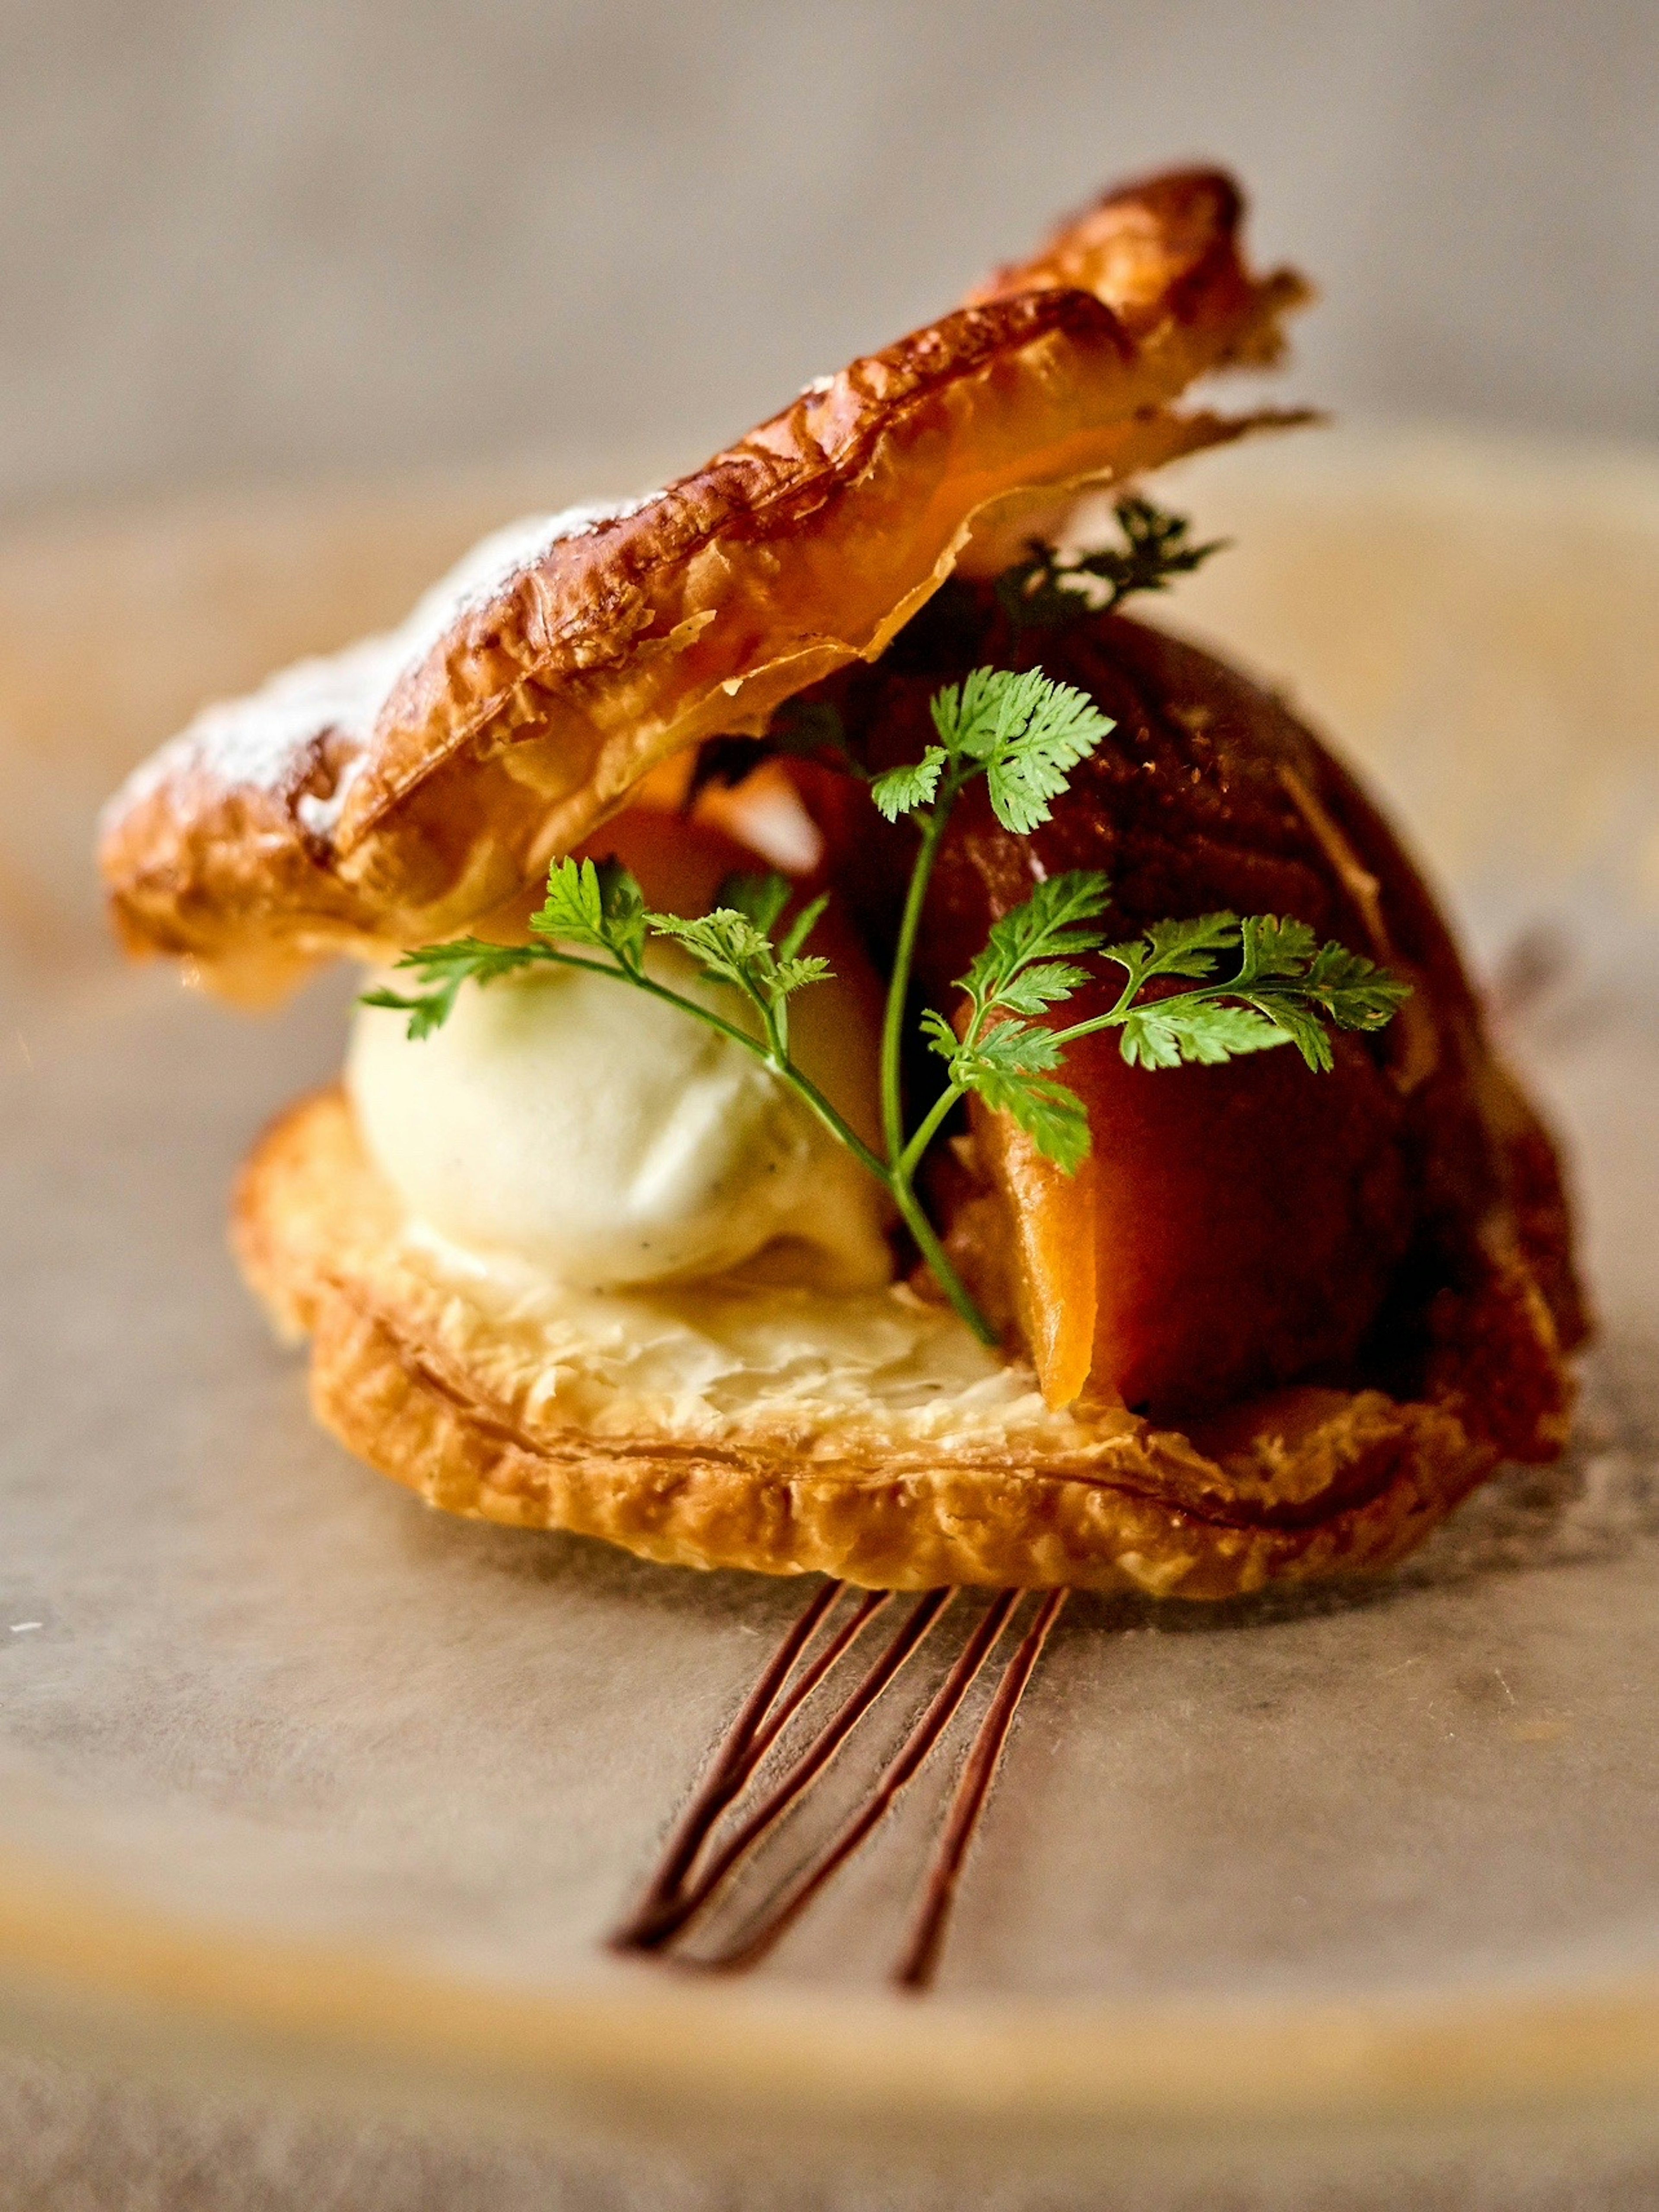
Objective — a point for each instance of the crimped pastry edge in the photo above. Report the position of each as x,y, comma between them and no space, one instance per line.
425,1393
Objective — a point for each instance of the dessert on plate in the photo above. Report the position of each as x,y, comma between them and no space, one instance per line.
876,1059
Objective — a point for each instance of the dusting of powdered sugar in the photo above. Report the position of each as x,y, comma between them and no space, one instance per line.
817,387
264,741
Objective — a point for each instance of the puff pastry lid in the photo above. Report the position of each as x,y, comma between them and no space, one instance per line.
400,790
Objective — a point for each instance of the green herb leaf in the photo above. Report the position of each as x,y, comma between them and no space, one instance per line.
446,966
1166,1032
1271,947
792,976
1047,984
1299,1024
1293,985
1354,992
967,715
761,898
1053,922
1027,732
725,944
733,944
1284,978
1030,772
1046,589
598,903
1011,1069
1190,948
1054,1118
1015,1047
902,790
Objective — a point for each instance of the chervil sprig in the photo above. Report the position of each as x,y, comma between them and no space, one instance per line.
734,945
1287,989
1284,988
1047,589
1023,734
599,904
595,902
445,968
1029,963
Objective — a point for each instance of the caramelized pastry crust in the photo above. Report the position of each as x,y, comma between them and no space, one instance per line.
401,791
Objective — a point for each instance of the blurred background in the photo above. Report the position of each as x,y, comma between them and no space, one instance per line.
297,297
245,244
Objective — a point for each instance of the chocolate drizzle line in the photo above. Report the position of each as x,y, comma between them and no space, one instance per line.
692,1870
915,1969
724,1777
925,1732
677,1911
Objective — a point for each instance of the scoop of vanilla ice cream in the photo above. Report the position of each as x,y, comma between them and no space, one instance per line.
610,1139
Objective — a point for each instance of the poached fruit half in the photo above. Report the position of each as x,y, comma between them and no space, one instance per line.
1398,1221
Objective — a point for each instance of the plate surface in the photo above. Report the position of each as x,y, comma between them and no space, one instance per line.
301,1774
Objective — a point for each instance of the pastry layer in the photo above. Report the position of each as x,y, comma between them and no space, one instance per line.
399,791
788,1432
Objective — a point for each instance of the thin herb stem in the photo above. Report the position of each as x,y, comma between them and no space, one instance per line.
898,988
832,1121
897,1182
935,1254
763,1048
1116,1015
904,1159
910,1158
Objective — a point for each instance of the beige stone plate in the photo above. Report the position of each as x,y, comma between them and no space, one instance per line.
300,1780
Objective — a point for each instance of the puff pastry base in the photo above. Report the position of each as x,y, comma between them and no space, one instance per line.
869,1439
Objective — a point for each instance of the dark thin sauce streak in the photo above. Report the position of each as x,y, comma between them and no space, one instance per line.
869,1605
916,1968
732,1765
925,1732
693,1870
652,1932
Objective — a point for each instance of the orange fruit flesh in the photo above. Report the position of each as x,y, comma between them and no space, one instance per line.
1234,1227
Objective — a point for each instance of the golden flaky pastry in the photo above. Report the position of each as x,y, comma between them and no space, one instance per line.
869,1438
414,785
397,791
